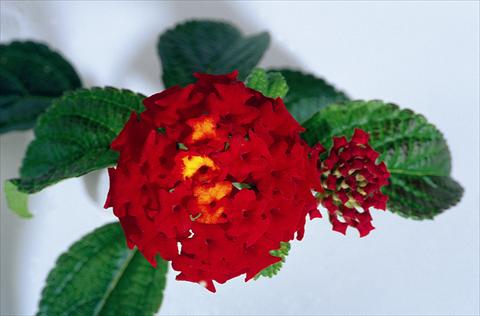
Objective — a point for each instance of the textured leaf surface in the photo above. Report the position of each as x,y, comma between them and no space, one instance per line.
415,152
276,267
99,275
210,47
73,136
422,197
270,84
31,76
308,94
17,201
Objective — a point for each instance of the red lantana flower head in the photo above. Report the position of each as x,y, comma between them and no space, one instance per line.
352,182
213,177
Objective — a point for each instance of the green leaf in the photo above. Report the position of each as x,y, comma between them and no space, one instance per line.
271,84
99,275
241,186
73,136
17,201
415,152
31,76
210,47
308,94
422,197
275,268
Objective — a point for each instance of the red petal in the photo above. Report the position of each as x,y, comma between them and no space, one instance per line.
331,182
256,146
360,137
339,142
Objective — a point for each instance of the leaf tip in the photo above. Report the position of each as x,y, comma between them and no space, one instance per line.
16,201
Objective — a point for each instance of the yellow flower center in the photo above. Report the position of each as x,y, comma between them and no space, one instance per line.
206,195
191,164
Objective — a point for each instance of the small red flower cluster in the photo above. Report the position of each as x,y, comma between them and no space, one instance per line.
213,177
352,183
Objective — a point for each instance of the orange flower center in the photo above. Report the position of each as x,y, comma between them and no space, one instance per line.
203,128
207,195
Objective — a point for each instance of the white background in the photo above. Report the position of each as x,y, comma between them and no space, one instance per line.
420,55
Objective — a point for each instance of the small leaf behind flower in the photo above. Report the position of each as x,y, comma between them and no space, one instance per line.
276,267
270,84
210,47
99,275
308,94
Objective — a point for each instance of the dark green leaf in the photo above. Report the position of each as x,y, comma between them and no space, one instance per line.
422,197
275,268
271,84
31,76
99,275
415,152
308,94
73,136
209,47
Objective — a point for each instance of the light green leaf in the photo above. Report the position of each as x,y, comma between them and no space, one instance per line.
17,201
31,76
99,275
241,186
73,137
209,47
273,270
414,151
271,84
308,94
